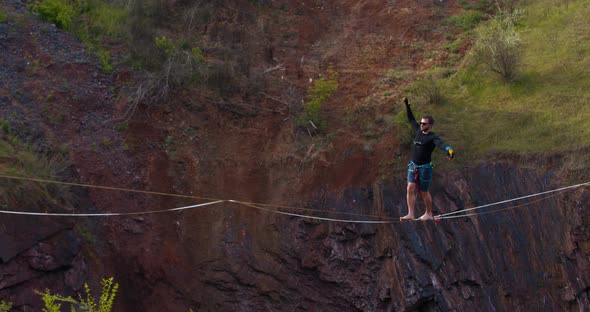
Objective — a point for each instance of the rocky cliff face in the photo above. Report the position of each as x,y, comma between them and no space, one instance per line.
528,257
234,258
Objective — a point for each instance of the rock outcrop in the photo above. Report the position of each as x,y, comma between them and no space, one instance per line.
520,257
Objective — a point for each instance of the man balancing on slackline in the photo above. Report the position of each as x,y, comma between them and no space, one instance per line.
420,168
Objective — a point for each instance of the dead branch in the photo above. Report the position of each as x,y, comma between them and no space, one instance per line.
275,99
268,70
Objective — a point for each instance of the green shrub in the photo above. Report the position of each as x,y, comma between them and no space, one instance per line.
87,303
317,95
165,45
5,125
5,306
141,27
60,12
100,20
106,20
198,54
90,20
466,21
175,68
122,127
104,57
3,18
52,302
185,44
106,141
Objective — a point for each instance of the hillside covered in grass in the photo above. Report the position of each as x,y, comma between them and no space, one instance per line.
544,109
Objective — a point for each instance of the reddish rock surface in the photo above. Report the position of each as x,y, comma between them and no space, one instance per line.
233,258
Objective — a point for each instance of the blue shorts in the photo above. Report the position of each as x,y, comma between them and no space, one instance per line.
424,173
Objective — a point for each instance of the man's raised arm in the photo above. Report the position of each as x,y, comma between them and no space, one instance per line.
411,118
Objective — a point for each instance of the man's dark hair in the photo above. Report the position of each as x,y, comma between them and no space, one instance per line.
430,119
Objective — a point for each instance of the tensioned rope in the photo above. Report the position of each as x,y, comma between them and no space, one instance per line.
313,217
106,214
313,210
258,206
111,188
445,215
214,200
436,218
496,210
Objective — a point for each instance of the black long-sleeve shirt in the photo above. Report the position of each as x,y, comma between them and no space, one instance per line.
424,143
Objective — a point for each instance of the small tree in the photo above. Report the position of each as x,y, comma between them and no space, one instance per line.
498,46
87,303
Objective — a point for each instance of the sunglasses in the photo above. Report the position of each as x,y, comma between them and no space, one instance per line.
424,123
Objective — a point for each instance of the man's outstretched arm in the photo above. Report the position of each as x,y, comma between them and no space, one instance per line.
447,148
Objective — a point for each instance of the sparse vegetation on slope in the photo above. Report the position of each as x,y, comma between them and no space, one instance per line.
18,159
317,95
3,15
93,21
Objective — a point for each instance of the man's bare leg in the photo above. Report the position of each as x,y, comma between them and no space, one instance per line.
411,199
428,203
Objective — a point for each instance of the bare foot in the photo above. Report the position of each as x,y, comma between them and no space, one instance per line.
409,217
426,217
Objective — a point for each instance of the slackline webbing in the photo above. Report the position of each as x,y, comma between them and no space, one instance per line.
260,206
